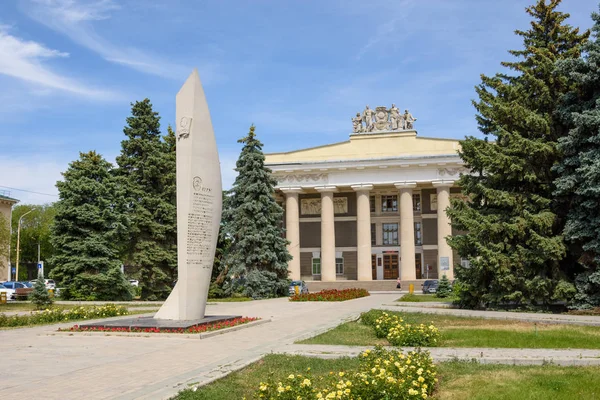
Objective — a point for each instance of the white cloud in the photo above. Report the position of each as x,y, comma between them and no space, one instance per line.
23,59
75,18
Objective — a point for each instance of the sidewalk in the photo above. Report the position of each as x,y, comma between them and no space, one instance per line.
43,366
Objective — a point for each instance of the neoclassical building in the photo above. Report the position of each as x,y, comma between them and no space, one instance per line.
372,207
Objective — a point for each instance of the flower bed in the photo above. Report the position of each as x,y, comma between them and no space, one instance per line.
331,295
400,333
194,329
382,374
60,315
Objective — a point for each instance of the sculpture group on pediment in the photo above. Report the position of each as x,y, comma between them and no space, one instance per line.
382,119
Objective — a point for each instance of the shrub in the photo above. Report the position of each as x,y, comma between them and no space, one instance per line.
331,295
40,296
398,332
370,317
444,288
55,315
382,374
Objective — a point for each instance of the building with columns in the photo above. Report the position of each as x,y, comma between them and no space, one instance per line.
370,208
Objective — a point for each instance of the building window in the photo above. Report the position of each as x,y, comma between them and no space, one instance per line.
417,202
339,266
372,203
316,266
418,235
389,203
373,235
390,234
464,262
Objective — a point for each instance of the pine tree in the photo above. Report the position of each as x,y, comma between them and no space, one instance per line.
258,251
88,226
579,172
444,288
147,172
514,241
40,296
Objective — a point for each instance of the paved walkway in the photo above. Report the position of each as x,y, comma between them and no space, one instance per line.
39,364
481,355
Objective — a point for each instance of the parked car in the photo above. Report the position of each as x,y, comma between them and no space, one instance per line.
302,288
430,286
19,289
50,284
9,292
134,282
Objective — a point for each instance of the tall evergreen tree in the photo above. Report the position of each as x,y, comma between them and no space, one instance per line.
514,241
579,172
258,251
88,224
147,172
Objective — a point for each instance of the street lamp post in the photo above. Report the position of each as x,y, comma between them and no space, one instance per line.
19,242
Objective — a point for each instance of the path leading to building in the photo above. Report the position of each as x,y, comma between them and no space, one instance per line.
39,364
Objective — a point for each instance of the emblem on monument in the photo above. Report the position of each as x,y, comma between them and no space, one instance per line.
197,183
183,131
382,120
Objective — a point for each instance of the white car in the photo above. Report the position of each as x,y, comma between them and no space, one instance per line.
134,282
9,292
50,284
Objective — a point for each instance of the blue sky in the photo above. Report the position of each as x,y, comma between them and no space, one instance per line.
298,70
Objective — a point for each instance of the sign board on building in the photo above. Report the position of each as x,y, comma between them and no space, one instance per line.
444,263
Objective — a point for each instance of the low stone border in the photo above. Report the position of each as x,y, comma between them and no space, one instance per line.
203,335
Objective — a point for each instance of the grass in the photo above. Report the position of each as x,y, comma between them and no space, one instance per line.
473,332
230,300
457,380
27,306
422,298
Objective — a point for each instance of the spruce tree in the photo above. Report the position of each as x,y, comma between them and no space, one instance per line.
40,296
514,225
88,225
146,169
444,288
579,172
258,250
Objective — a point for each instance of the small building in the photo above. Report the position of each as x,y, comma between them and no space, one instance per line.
6,204
372,207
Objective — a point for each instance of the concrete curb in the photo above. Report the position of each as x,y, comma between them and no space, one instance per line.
204,335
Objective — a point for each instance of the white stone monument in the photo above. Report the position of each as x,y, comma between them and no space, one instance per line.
199,202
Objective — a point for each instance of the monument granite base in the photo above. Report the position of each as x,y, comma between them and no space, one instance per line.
150,322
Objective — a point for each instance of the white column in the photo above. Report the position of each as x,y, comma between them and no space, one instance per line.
327,234
363,232
407,231
444,229
292,230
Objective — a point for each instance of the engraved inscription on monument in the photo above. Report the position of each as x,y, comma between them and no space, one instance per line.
200,221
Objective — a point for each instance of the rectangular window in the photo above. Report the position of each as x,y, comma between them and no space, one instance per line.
464,262
390,234
418,235
389,203
339,266
316,266
372,203
373,235
417,202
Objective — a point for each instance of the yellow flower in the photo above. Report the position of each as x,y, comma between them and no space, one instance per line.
263,387
291,376
280,389
341,374
412,392
421,379
306,382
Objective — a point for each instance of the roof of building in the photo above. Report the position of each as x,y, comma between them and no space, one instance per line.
405,144
8,199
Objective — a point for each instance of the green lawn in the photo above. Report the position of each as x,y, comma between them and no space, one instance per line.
473,332
229,300
457,380
27,306
423,298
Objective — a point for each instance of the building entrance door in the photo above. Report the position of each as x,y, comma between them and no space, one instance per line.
418,266
374,266
390,265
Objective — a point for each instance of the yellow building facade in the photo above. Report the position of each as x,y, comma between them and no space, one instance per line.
370,208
